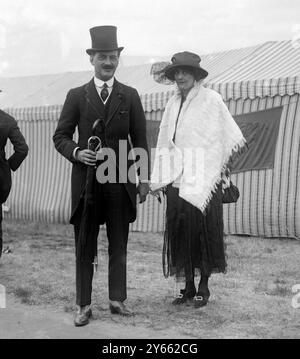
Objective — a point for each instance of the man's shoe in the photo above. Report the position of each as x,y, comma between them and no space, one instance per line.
201,299
7,250
117,307
82,316
183,297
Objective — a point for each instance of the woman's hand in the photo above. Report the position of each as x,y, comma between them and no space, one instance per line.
156,193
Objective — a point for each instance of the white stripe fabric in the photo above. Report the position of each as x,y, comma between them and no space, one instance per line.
270,199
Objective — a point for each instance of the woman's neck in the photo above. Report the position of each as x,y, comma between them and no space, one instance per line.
184,93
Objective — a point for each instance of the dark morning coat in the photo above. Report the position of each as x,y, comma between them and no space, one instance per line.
10,130
81,109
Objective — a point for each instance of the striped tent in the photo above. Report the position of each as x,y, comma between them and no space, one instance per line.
252,79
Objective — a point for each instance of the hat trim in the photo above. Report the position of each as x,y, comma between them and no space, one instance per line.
169,68
92,50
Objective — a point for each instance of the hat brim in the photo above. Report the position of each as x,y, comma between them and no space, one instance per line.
170,69
93,50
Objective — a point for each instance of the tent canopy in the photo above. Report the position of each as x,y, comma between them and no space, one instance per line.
261,87
272,67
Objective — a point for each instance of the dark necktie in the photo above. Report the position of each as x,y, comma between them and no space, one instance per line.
104,92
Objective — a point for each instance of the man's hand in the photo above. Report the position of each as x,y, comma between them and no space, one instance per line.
143,190
87,157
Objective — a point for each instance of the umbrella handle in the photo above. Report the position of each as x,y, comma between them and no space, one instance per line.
94,143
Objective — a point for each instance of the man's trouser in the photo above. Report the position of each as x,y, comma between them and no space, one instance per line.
116,205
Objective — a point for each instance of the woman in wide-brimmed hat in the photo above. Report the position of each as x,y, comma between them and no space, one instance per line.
196,140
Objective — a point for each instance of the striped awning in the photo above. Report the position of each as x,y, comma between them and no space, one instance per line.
233,91
269,68
249,80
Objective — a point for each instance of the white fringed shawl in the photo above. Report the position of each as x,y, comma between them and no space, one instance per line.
206,132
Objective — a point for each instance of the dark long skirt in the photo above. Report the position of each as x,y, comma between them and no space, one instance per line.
193,242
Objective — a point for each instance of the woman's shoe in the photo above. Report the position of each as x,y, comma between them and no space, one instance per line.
183,297
201,299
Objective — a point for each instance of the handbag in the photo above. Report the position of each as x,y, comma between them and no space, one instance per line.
230,194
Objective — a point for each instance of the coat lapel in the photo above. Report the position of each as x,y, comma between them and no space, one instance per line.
117,96
93,99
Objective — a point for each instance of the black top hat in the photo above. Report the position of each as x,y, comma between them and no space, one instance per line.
185,59
104,38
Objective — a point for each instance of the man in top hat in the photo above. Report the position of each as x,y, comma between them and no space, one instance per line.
112,111
9,130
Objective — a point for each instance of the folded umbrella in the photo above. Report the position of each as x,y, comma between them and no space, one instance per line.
89,223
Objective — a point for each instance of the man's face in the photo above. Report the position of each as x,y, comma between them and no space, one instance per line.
105,64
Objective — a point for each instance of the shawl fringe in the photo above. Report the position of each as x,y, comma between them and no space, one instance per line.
238,149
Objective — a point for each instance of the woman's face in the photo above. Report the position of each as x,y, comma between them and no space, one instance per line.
184,78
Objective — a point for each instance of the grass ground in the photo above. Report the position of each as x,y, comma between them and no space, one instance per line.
253,300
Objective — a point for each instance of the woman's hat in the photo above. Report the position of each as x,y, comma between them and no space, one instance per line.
104,38
185,59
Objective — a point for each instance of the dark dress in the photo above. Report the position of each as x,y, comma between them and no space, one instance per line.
193,242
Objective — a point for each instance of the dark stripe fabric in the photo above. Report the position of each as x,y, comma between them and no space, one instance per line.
41,187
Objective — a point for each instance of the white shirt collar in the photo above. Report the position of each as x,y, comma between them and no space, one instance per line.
100,83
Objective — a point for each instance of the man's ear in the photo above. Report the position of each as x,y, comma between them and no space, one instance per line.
92,58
